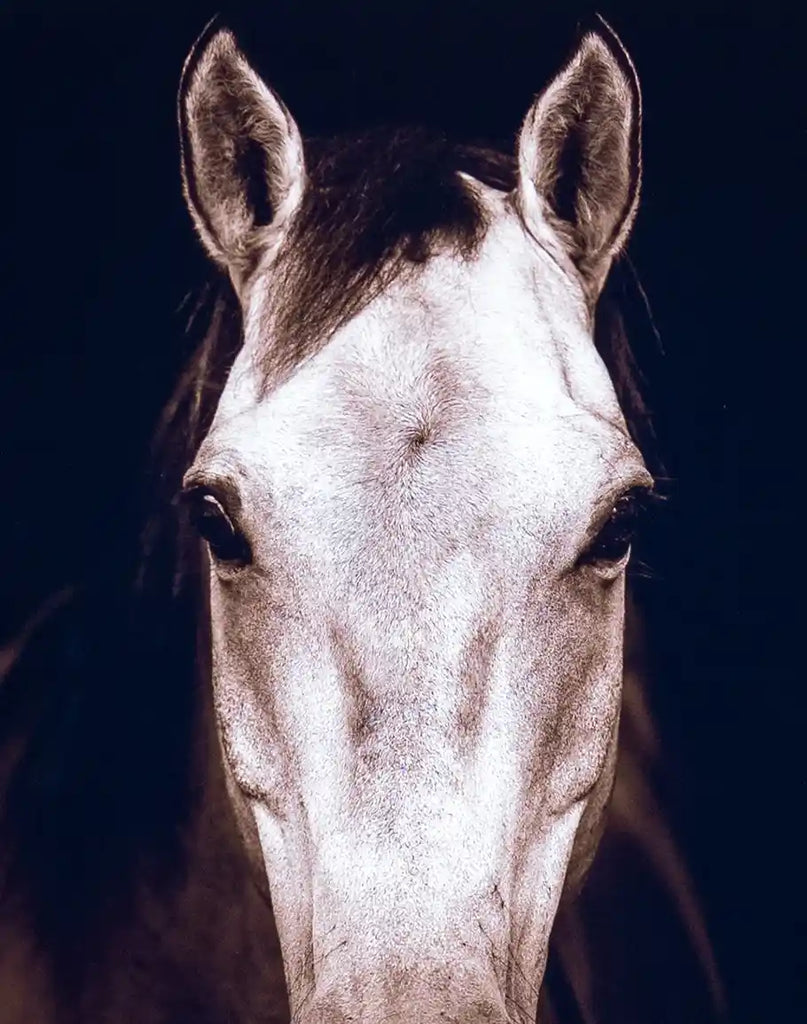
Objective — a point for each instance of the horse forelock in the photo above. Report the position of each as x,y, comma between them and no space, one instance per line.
375,206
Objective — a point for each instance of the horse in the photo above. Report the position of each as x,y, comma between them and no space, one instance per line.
418,495
416,453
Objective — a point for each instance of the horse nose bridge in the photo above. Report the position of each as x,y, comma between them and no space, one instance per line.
446,646
418,705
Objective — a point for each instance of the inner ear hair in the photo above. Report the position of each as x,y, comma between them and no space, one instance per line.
242,158
579,150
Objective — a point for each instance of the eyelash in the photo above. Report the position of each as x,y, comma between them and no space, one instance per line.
614,540
226,542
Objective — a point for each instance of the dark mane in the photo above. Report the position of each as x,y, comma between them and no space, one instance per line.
374,204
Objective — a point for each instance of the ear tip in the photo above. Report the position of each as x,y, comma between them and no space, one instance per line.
599,40
222,41
595,43
214,41
602,32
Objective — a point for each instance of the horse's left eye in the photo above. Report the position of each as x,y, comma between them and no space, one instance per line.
210,519
612,544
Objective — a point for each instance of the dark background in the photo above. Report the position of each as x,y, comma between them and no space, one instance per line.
101,256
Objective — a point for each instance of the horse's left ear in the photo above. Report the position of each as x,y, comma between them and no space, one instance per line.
242,156
579,155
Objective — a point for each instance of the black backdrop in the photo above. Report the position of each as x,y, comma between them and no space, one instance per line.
101,255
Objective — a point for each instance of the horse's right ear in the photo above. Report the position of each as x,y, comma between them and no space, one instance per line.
243,171
579,154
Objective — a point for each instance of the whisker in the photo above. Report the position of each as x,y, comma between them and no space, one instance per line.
646,301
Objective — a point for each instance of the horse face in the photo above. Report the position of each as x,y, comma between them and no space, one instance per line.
417,548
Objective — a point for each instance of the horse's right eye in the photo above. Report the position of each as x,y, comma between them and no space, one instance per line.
210,519
611,547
